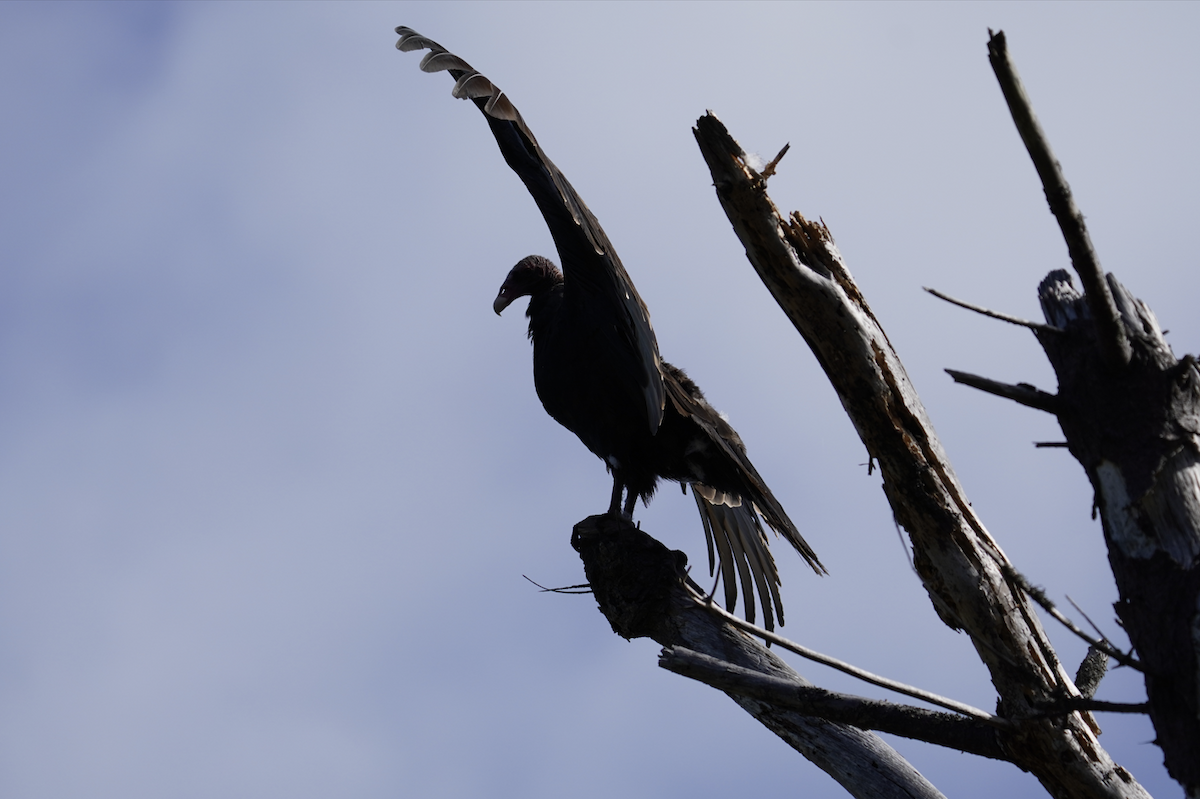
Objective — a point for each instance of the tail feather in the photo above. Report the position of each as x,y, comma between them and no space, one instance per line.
715,530
777,519
741,544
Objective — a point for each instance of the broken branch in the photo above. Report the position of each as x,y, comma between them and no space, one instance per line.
1013,320
1022,393
1113,341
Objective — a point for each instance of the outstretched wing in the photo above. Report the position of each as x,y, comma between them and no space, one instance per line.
593,274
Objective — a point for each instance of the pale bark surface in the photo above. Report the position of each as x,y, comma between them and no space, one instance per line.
962,568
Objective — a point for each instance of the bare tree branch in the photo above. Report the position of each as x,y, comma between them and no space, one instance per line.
1091,671
1003,317
944,729
769,169
1073,703
641,588
1131,414
1022,393
1111,334
846,668
1101,644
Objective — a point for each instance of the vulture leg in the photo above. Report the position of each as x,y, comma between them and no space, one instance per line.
614,507
630,502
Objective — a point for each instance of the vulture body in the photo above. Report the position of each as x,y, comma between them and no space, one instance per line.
597,369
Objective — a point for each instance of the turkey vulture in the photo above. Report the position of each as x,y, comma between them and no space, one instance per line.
598,373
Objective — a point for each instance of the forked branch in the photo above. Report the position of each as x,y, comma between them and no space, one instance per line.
1110,331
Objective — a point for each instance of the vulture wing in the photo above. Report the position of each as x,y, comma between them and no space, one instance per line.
730,512
594,277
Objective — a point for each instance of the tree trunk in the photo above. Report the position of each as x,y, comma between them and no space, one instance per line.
1131,415
1136,432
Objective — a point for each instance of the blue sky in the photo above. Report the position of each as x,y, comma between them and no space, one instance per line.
271,470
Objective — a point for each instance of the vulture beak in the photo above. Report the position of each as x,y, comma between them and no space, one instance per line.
501,302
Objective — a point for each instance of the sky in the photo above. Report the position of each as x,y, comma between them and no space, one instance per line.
272,473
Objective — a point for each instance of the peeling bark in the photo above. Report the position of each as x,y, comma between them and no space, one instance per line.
1136,432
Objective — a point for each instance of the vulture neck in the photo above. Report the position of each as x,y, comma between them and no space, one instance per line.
544,304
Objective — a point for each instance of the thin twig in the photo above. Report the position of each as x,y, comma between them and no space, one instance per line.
769,169
1003,317
1071,704
1022,393
1050,444
1109,328
846,668
1087,618
566,589
1039,596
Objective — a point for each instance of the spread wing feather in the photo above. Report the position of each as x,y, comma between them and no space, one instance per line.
740,540
749,491
593,274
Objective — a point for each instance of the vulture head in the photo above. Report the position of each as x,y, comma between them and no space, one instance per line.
533,275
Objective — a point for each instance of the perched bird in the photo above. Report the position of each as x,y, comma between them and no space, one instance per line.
597,369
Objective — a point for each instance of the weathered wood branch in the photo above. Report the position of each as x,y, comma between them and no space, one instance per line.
1096,705
1114,343
944,729
959,563
1095,645
1136,432
1022,393
1091,671
979,309
771,637
640,587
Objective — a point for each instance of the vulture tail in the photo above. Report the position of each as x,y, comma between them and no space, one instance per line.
741,544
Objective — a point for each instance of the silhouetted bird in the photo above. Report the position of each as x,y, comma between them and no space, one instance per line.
597,369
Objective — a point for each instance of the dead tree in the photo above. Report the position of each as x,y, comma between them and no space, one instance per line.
1131,415
1130,412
